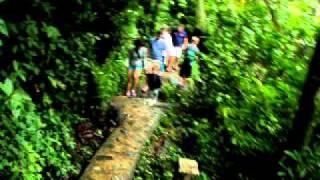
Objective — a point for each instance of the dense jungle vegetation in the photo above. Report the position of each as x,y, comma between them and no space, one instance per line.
253,114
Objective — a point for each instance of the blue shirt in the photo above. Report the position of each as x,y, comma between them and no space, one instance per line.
179,37
157,47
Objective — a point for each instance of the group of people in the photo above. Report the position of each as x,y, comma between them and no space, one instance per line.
164,55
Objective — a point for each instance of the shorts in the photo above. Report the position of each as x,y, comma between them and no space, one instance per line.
135,67
178,51
186,69
172,51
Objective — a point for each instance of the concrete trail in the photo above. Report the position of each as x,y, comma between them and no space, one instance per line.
117,157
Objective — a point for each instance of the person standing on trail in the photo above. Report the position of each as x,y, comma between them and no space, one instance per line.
137,59
190,58
158,46
180,42
155,65
169,54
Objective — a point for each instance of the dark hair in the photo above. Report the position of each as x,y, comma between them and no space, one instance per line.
138,43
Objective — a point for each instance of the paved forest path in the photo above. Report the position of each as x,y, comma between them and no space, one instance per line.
117,157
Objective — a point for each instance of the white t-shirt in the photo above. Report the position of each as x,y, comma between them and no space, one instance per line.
169,44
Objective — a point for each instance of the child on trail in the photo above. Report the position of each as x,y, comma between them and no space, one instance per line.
180,42
170,51
137,58
189,60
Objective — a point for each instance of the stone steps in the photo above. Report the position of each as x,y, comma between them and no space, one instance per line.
117,157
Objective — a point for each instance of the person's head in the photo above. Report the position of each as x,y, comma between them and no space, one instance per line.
180,28
195,40
165,29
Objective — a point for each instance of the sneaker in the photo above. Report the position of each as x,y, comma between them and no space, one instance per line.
133,93
128,94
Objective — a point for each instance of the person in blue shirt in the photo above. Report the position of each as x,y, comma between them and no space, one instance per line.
158,47
155,66
180,42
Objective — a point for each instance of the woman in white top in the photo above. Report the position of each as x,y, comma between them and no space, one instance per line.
169,54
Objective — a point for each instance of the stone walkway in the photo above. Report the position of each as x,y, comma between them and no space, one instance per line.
117,158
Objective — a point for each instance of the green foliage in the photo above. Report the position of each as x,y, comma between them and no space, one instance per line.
161,166
111,78
3,28
201,15
255,84
52,79
30,136
239,114
307,166
163,14
159,161
182,136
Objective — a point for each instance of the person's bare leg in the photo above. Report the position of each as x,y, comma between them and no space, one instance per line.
145,87
167,62
173,59
177,57
170,63
129,86
136,78
176,63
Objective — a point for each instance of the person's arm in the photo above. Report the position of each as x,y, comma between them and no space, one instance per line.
145,57
197,54
185,41
148,53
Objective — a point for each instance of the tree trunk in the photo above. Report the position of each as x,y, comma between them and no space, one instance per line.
304,114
